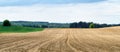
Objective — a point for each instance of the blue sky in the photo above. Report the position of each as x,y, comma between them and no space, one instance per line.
32,2
63,11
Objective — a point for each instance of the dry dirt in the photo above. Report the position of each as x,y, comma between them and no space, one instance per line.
62,40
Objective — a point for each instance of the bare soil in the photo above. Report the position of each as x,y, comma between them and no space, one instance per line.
63,40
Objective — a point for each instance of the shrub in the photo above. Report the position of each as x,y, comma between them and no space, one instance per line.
91,25
6,23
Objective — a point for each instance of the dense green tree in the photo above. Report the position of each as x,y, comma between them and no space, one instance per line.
91,25
6,23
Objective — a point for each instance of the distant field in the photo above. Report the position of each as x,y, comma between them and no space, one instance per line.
63,40
18,29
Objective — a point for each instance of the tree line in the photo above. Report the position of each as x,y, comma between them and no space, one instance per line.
71,25
90,25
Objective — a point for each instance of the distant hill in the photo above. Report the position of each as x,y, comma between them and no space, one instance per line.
28,23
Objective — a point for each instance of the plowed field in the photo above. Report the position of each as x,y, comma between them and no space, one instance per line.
62,40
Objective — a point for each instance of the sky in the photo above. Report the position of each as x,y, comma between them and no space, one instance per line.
61,11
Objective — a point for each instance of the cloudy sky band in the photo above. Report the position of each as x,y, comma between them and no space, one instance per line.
64,11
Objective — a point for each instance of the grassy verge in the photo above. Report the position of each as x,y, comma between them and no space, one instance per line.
18,29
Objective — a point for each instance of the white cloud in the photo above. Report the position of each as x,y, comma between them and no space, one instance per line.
102,12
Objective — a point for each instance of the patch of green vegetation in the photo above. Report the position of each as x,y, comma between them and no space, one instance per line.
18,29
91,25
